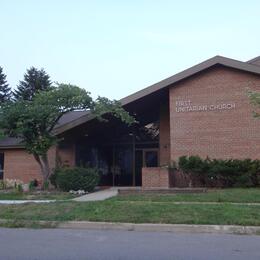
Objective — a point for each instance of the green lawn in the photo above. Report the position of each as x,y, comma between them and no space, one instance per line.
140,209
14,195
222,195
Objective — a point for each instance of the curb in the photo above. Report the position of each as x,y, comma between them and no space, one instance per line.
221,229
146,227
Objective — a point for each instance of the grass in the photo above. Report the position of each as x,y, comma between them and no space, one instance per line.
142,209
251,195
116,210
14,195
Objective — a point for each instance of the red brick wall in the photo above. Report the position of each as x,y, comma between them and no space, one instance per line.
232,133
155,177
164,135
18,164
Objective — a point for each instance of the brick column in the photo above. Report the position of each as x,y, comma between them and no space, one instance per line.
155,177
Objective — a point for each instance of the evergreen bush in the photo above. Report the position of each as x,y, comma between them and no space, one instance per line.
219,172
77,178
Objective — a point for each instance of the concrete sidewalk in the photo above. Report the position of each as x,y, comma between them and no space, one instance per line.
95,196
197,203
10,202
98,195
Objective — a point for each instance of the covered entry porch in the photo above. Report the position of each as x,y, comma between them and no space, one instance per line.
119,162
119,151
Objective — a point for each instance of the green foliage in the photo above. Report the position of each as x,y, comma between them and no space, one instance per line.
104,105
19,188
46,185
77,178
35,80
5,90
196,165
33,121
254,97
226,173
32,117
2,185
112,210
53,178
33,184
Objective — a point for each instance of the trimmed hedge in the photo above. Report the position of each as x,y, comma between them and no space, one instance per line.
221,173
77,178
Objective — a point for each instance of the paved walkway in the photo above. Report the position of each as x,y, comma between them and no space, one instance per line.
95,196
98,195
195,202
24,201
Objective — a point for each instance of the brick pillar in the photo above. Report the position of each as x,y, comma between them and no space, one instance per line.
155,177
164,135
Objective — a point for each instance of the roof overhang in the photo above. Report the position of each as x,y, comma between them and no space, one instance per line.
235,64
217,60
155,88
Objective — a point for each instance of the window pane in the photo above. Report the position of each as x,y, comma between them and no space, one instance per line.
151,159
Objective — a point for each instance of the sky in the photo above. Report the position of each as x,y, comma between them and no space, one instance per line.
115,48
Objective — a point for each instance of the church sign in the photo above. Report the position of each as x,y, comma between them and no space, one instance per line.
188,106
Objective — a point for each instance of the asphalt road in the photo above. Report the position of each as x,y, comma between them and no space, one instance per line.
89,244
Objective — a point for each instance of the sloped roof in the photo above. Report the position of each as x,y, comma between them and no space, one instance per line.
217,60
11,142
235,64
255,61
76,118
70,117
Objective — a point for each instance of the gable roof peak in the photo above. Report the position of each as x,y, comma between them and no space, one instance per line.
255,61
250,66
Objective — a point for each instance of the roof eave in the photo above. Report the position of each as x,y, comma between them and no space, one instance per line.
227,62
190,72
73,124
12,147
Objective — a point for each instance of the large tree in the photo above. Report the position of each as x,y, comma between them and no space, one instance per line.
34,80
5,90
34,120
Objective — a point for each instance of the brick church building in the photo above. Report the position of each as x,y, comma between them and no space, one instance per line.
203,111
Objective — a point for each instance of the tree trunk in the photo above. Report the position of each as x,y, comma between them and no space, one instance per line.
43,162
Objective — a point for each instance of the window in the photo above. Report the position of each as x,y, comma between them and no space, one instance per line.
150,158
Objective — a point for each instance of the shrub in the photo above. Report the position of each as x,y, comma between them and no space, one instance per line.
2,185
195,166
77,178
33,184
226,173
12,183
46,185
53,177
20,188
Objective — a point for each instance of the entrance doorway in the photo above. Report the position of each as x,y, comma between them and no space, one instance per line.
119,165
